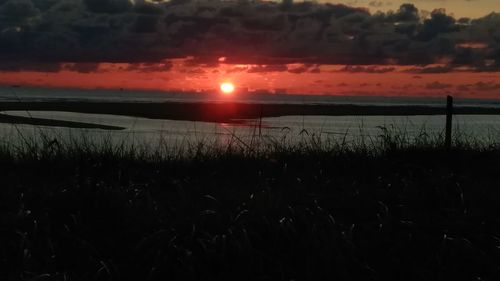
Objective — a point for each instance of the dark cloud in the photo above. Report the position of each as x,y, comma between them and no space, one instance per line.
439,23
303,68
267,68
82,67
150,67
430,69
254,32
406,13
366,69
15,11
108,6
26,66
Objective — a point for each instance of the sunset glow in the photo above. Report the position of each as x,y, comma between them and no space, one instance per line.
414,48
227,88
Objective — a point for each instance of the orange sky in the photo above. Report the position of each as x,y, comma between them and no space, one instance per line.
291,78
459,8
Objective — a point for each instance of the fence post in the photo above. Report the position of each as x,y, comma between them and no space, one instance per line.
260,119
449,118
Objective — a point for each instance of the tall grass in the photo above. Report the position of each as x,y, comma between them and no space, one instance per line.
42,144
392,207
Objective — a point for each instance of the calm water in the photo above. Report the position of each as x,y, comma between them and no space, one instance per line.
282,129
287,129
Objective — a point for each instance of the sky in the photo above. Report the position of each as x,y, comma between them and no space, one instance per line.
458,8
363,47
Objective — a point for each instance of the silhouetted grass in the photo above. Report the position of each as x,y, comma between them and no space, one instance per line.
393,207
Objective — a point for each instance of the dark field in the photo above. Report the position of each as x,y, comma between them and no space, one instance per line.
404,213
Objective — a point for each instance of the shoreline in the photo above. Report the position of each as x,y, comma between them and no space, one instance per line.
17,120
230,112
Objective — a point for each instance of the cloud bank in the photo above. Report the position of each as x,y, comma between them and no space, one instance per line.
48,32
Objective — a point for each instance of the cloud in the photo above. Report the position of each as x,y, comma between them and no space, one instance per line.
267,68
253,32
81,67
26,66
150,67
304,68
437,86
366,69
108,6
482,86
430,69
17,10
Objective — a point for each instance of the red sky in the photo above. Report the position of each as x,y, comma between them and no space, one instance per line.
291,78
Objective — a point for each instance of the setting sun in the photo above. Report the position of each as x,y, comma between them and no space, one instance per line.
227,88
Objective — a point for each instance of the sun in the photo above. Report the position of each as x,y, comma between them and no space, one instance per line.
227,88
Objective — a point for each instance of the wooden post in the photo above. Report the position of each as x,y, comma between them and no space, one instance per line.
449,118
260,120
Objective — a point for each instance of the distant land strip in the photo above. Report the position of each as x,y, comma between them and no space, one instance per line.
4,118
230,112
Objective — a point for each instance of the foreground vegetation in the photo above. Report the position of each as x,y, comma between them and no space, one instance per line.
390,210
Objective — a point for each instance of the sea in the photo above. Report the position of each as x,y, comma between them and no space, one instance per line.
284,130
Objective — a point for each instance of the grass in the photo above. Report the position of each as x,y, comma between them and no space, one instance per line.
393,207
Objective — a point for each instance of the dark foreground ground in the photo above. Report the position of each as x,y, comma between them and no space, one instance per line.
413,214
228,112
